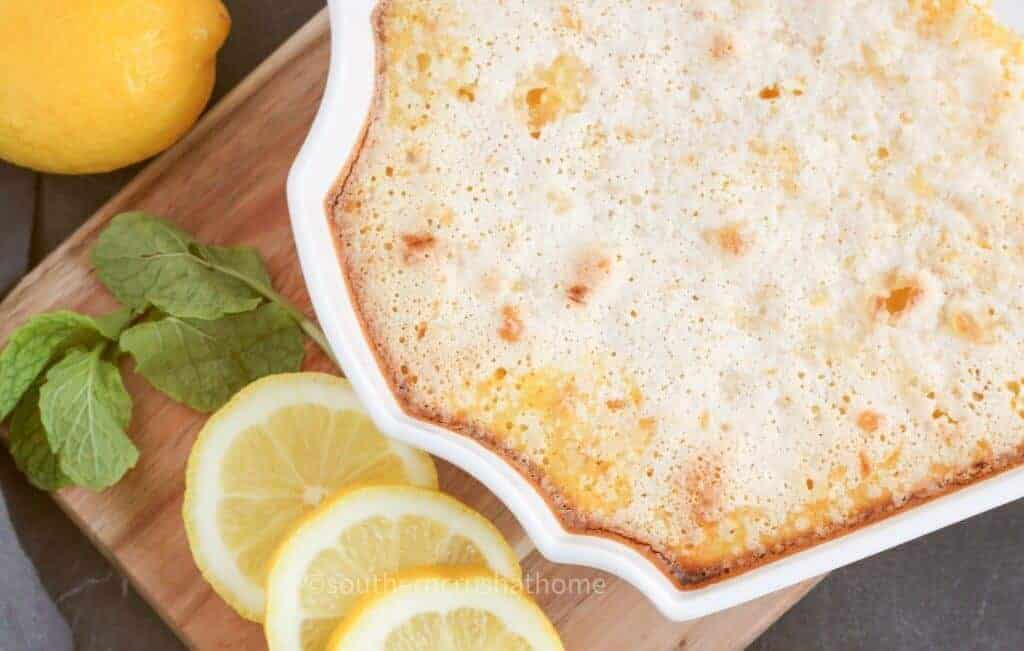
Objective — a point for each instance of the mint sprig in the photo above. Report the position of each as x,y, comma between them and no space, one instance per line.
204,363
35,345
200,321
144,261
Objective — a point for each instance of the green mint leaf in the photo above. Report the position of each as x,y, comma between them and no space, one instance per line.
240,261
30,448
35,345
246,263
144,260
85,411
112,325
204,363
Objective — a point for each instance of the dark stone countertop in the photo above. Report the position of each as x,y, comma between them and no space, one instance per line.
960,589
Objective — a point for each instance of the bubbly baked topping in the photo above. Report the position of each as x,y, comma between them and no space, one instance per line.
726,277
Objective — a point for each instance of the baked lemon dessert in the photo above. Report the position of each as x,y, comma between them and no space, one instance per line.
725,278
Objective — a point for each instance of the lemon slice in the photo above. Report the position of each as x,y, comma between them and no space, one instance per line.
353,544
269,457
438,608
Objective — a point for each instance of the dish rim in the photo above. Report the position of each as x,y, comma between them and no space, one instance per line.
333,139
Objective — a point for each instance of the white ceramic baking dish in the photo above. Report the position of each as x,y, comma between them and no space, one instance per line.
334,136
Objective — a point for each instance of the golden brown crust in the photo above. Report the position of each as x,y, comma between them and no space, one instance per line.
686,575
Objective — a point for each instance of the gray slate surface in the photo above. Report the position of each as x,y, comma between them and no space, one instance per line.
959,589
17,199
29,619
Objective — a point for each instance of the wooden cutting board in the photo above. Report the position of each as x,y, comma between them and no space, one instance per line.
226,183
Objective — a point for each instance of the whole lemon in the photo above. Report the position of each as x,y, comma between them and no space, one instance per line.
94,85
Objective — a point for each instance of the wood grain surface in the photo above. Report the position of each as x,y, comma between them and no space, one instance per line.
226,183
